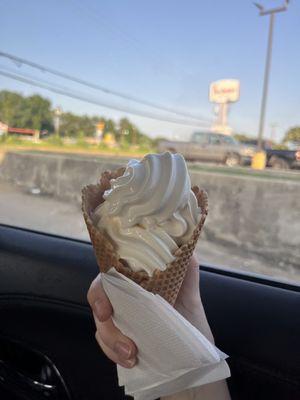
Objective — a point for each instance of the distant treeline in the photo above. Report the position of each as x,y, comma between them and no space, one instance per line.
37,112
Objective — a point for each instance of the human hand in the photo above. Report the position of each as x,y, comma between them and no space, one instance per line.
121,349
189,303
118,347
188,299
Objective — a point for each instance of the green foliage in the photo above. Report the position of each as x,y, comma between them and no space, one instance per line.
129,133
144,140
71,125
292,135
14,140
103,146
80,140
11,107
54,140
33,112
242,136
110,127
279,147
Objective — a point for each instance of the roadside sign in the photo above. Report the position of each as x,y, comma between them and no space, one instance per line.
224,91
100,126
99,130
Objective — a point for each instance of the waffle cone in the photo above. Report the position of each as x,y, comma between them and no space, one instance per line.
165,283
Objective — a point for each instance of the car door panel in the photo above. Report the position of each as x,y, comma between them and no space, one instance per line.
261,337
198,147
43,285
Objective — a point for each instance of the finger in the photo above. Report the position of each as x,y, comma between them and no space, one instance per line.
114,339
189,292
191,280
194,261
112,355
99,301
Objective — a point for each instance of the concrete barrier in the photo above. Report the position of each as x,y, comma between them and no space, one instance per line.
59,175
255,215
258,215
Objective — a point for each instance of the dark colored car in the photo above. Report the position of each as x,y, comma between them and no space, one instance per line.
277,158
211,147
283,159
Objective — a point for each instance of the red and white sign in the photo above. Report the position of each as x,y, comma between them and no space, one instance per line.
224,91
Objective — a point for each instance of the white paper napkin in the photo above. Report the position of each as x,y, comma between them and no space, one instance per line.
172,354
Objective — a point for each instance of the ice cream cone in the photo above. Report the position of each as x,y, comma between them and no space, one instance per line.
165,283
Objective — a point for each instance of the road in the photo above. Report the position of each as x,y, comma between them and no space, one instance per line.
19,207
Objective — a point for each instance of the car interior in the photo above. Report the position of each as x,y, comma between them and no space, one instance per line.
116,119
47,334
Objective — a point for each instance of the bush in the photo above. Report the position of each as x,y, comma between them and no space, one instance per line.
11,139
103,146
54,140
81,140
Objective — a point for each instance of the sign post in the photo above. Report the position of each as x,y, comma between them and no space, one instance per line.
222,93
99,131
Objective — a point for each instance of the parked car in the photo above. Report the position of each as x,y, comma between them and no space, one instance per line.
283,159
277,158
211,147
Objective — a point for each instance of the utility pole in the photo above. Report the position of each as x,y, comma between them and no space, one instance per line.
273,131
271,12
57,114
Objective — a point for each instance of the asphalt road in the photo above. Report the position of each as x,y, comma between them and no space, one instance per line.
43,213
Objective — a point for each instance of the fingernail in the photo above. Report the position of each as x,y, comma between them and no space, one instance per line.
122,349
129,363
98,309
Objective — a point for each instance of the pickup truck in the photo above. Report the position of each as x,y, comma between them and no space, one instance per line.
211,147
279,159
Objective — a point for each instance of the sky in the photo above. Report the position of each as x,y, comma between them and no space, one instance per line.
166,52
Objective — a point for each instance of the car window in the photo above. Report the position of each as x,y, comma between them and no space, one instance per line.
201,138
88,85
228,140
215,139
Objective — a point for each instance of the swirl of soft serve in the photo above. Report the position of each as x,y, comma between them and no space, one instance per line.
149,211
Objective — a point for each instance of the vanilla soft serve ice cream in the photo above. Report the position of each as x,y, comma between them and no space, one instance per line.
149,211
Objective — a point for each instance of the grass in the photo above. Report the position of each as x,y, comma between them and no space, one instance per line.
80,146
248,172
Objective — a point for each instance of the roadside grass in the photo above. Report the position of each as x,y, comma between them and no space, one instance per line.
79,146
268,173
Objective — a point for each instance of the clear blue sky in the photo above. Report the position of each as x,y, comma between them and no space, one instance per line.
165,51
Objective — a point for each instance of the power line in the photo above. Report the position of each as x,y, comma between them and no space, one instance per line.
19,61
78,96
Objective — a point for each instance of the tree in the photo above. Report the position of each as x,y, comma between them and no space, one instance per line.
292,135
110,127
37,113
32,112
11,108
125,130
72,125
242,137
130,133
